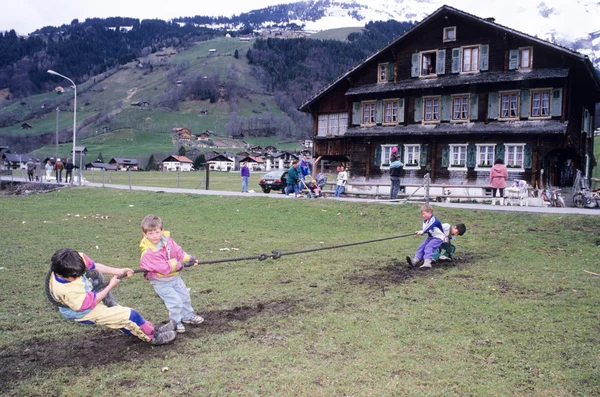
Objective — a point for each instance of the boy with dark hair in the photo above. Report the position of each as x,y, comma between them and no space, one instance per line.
435,235
447,247
70,286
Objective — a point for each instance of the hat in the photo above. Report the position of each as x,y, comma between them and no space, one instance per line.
394,149
58,159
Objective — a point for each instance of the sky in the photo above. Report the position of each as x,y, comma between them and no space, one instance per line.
25,16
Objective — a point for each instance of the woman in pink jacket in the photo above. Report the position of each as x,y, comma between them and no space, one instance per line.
498,177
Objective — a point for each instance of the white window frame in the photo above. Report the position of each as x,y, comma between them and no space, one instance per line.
386,152
470,49
327,127
452,164
460,118
490,161
394,116
518,97
433,107
372,111
530,64
412,151
508,147
433,68
382,73
445,34
531,99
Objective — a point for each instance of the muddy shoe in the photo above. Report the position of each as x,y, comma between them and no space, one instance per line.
444,258
409,260
170,326
180,329
194,320
163,338
426,264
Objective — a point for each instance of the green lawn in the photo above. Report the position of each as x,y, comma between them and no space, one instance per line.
340,34
514,315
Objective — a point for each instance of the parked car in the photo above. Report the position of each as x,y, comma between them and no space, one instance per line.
273,180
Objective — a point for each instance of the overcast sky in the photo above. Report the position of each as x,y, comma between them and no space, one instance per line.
25,16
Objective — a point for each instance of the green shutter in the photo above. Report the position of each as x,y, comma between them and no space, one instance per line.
356,113
445,156
446,107
500,151
423,159
474,107
379,112
513,59
418,109
493,105
440,62
401,153
414,65
528,156
456,60
471,155
556,102
378,156
484,51
524,104
390,71
401,110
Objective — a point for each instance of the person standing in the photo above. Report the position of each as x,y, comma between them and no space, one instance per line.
49,167
245,173
58,168
304,167
292,179
498,178
342,179
69,171
395,171
30,169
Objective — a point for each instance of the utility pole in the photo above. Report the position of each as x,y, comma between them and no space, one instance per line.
56,152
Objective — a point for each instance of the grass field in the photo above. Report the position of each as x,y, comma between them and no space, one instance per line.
513,315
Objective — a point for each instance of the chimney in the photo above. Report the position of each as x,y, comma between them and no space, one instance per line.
490,19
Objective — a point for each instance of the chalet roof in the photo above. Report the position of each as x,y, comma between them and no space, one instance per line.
220,157
124,161
101,165
16,158
252,159
181,159
460,79
509,127
445,8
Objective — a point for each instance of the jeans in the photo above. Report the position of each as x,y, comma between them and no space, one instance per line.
69,173
245,183
294,187
176,297
395,187
58,176
339,189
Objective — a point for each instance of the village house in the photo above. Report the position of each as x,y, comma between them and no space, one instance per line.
100,166
26,126
255,163
183,133
124,164
280,160
15,161
177,163
221,162
453,94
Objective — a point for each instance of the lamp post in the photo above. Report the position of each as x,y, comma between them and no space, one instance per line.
74,113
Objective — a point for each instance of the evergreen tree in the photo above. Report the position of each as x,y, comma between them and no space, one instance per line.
151,164
182,151
199,161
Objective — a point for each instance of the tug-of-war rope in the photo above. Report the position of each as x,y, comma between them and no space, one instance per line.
261,257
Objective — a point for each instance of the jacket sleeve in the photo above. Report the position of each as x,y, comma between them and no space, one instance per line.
154,262
179,254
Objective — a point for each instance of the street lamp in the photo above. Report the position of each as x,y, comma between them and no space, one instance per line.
74,114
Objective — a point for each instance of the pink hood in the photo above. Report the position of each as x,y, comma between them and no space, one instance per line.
498,176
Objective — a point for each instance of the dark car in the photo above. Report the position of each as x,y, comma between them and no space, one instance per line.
273,180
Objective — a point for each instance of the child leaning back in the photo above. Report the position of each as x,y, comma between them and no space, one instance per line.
435,236
163,259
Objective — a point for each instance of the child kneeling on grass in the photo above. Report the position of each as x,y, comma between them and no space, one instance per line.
163,259
435,235
72,288
447,247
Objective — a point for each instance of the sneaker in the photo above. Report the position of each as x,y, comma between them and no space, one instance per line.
444,258
194,320
163,338
170,326
180,329
426,264
409,260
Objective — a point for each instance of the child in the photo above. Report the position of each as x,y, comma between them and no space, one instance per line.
342,179
435,236
450,233
70,286
163,259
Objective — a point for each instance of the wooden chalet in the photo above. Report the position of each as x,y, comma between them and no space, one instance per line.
26,126
100,166
222,162
454,93
124,164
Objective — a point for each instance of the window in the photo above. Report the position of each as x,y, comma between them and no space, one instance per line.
485,156
509,105
428,63
390,112
450,33
470,59
540,103
514,156
412,155
382,70
460,108
386,152
332,124
458,156
525,58
432,109
369,113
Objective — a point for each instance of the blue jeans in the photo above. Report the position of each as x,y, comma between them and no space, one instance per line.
245,183
339,190
176,297
294,187
395,188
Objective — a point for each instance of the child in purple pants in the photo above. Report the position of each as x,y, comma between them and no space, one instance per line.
435,236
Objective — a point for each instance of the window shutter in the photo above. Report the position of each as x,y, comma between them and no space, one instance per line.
401,153
500,151
401,110
423,159
471,155
445,156
456,60
418,109
390,71
378,156
440,65
524,110
556,102
513,59
414,65
474,104
484,51
356,113
528,156
493,105
379,112
446,104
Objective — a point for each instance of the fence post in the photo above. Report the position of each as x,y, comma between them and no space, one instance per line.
130,179
427,188
103,174
207,176
177,179
92,174
110,177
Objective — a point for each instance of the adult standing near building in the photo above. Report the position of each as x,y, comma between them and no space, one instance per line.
69,171
30,169
342,179
395,171
49,167
498,178
292,179
39,172
245,173
58,168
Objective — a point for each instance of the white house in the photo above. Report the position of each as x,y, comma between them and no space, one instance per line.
221,163
177,163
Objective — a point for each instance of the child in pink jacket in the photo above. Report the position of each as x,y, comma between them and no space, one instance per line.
163,259
498,178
